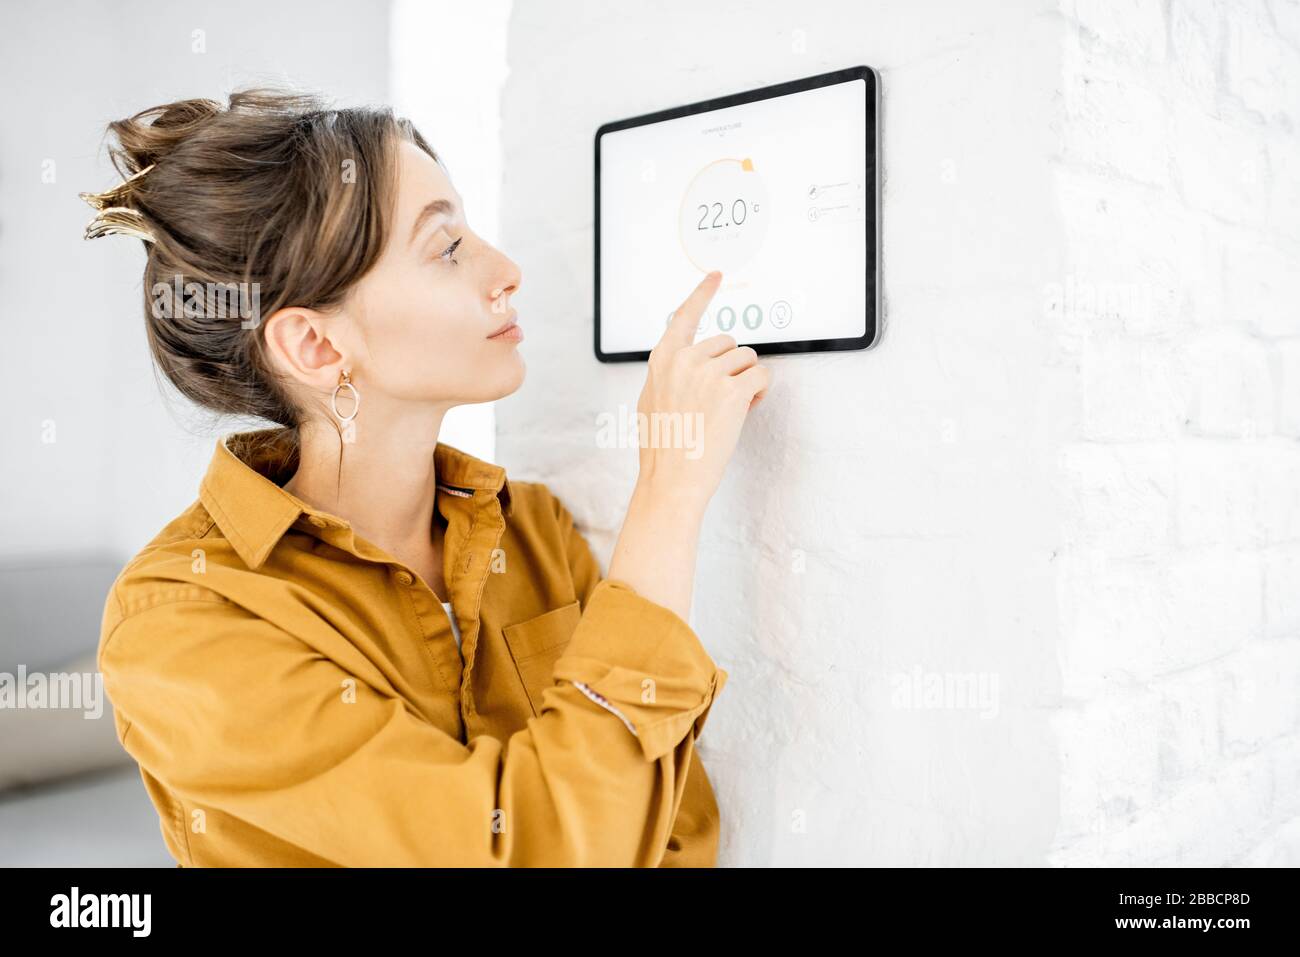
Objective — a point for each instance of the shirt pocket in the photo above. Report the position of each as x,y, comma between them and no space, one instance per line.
536,643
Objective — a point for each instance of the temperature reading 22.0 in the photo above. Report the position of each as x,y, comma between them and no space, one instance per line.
739,213
723,217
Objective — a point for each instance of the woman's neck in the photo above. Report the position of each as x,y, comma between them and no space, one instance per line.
385,486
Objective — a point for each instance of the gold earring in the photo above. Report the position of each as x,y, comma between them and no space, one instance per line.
345,380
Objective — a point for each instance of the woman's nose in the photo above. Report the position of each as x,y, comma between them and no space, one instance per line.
509,281
501,298
501,294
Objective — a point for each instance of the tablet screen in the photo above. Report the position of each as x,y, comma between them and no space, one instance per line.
776,188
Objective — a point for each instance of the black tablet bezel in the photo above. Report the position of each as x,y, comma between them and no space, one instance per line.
868,75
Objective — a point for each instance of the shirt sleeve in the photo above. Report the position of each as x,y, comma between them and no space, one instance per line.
622,644
695,829
231,712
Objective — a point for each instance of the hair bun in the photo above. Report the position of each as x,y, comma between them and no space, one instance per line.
142,144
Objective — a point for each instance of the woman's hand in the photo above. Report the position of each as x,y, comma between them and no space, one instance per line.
694,403
695,400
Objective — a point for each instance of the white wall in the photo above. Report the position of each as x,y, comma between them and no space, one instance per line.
123,460
1180,580
1053,506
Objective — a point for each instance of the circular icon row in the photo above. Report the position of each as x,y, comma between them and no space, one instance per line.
751,316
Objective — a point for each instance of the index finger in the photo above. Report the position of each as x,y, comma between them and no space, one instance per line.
681,331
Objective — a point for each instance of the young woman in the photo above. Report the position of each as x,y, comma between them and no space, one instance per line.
361,646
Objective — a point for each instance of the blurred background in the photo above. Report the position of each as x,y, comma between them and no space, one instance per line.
1020,586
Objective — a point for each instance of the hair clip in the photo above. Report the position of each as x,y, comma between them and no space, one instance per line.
120,220
114,196
114,217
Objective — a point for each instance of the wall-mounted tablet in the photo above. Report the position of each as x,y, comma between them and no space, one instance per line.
777,187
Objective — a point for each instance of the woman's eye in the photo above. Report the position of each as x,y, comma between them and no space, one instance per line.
447,253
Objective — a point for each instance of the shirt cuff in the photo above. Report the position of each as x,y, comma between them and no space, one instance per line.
643,663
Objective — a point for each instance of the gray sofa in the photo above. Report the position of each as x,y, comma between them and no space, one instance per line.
69,794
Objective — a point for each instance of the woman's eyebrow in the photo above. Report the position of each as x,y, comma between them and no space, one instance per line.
444,207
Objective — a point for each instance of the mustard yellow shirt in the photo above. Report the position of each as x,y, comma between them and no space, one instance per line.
294,696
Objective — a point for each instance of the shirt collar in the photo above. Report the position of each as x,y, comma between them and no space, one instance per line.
243,494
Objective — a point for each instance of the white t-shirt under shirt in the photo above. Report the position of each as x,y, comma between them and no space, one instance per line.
455,628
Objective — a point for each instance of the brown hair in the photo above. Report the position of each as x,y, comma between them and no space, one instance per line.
275,191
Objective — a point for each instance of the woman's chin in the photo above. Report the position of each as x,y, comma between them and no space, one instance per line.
516,378
505,379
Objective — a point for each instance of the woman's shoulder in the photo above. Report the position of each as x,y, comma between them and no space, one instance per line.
557,543
187,561
534,504
554,522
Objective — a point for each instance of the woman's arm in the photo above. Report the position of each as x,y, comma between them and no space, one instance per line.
655,552
694,402
697,827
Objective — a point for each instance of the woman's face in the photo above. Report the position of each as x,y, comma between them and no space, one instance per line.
416,328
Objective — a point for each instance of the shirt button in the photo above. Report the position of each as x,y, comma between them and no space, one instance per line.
317,521
404,578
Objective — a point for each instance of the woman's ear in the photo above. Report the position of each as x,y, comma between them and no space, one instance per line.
297,340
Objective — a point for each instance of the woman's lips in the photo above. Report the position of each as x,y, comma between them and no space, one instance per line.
512,334
509,331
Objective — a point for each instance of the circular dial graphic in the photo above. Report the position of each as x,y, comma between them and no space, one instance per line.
723,216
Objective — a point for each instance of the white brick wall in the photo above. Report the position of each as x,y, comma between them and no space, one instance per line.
1068,475
1180,628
